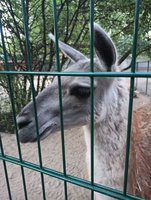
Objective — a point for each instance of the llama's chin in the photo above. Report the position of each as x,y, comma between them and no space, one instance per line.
26,134
47,131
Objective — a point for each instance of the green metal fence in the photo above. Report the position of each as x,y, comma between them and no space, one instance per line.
64,176
143,85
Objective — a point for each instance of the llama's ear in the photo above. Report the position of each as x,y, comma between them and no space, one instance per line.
104,48
70,52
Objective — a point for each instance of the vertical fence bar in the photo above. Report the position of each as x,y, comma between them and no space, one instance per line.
5,170
130,110
60,96
29,65
92,93
146,91
11,96
136,79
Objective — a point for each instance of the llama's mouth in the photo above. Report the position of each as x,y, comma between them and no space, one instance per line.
46,130
42,135
29,133
21,125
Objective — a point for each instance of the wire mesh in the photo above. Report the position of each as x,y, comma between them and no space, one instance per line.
63,175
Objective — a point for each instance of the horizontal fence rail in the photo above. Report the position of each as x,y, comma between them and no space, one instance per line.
71,179
89,74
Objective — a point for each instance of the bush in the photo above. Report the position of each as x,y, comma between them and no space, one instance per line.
6,122
6,116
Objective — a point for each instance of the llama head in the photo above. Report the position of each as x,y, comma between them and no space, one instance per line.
75,92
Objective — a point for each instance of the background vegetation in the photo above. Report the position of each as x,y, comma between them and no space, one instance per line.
117,17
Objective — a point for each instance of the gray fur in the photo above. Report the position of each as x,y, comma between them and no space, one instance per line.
70,52
110,111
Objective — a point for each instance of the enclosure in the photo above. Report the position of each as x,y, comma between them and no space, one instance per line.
29,62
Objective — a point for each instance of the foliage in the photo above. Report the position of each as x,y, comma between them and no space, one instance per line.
6,116
6,119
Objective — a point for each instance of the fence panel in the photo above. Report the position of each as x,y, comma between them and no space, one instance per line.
143,85
64,176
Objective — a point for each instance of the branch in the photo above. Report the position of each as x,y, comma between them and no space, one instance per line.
126,54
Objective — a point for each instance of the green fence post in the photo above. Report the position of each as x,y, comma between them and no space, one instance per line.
5,170
29,66
11,96
130,110
92,94
60,96
146,91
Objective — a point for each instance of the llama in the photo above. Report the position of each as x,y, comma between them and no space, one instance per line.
110,110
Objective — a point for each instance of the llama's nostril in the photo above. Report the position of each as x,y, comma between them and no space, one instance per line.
23,124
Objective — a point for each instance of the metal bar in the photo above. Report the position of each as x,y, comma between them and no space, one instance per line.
92,94
60,96
130,110
11,96
136,80
29,67
71,179
5,170
147,78
84,74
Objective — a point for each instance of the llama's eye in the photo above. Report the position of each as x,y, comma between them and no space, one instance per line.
80,92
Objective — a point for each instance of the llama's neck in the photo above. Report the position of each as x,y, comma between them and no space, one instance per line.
110,137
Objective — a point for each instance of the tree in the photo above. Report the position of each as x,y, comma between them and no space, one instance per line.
40,23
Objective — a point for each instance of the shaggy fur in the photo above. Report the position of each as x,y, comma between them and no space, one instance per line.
110,110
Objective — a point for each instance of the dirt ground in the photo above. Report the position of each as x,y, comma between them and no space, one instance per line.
52,158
